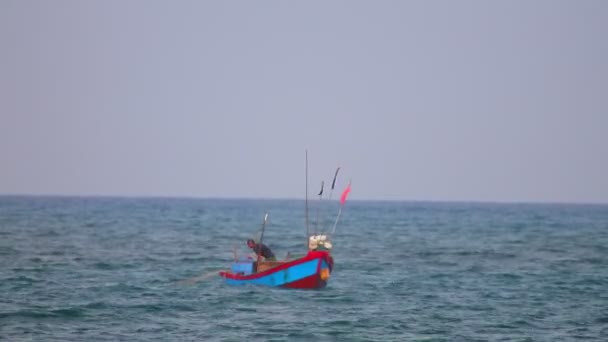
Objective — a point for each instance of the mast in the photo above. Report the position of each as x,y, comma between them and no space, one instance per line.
306,202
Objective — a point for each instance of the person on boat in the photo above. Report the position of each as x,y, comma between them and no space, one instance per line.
261,249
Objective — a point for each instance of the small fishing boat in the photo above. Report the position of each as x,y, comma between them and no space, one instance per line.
312,271
309,272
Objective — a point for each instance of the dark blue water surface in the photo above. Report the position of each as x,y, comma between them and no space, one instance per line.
91,269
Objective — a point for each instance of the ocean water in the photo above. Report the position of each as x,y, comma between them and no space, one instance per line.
109,269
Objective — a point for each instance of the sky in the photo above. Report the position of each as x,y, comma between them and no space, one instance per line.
414,100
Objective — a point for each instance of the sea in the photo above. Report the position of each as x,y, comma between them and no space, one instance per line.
145,269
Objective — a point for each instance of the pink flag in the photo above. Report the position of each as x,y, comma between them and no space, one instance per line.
345,194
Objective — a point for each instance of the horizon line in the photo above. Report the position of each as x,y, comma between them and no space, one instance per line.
253,198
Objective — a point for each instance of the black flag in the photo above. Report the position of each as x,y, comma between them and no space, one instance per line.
333,184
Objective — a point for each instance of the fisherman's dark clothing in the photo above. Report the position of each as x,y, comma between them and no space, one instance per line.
265,251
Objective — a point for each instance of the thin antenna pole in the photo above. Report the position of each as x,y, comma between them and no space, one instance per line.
306,202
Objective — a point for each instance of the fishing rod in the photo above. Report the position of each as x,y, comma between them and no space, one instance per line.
262,235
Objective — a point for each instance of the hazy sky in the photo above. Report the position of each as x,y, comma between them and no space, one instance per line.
420,100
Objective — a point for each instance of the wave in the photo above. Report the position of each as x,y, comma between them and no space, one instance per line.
42,314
